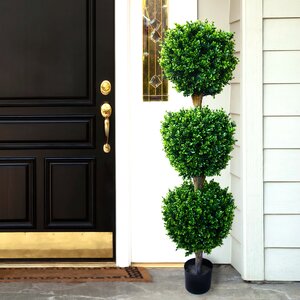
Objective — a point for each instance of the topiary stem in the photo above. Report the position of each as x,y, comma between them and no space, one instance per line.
198,261
198,185
198,182
197,100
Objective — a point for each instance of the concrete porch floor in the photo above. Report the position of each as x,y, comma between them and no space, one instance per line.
168,284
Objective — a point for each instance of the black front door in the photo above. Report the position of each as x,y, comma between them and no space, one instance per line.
54,174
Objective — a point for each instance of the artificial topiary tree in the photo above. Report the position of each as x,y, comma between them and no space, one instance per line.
199,59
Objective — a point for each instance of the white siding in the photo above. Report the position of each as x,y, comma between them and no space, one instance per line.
282,139
281,8
282,165
282,264
236,254
282,67
237,232
280,231
282,99
236,190
236,161
282,132
237,71
281,34
276,200
235,11
237,119
235,99
236,29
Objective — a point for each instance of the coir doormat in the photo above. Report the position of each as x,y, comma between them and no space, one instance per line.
62,274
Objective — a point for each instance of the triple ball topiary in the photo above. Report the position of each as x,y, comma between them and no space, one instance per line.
199,59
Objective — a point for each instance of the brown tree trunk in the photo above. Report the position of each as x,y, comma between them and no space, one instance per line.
197,100
198,182
198,261
198,185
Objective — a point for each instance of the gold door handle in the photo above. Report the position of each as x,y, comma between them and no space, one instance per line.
106,111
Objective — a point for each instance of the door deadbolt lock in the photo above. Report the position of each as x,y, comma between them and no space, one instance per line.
105,87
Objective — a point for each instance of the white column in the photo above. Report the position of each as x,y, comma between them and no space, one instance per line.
252,111
123,224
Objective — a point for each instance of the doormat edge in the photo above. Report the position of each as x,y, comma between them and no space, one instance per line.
64,274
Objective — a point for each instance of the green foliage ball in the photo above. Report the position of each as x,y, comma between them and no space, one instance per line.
198,141
198,58
198,220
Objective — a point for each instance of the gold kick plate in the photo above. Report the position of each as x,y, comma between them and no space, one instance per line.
56,245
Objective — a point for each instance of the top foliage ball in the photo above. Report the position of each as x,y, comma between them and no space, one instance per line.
198,58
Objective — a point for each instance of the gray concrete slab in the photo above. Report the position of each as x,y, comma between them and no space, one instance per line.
168,284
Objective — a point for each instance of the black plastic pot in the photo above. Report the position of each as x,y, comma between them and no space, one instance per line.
197,283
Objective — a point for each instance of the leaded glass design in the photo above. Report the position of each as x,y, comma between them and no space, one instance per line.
155,21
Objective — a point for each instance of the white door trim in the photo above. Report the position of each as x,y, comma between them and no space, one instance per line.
122,111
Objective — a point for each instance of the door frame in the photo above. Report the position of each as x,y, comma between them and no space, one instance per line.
122,123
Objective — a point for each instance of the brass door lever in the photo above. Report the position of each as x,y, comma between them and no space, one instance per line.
106,111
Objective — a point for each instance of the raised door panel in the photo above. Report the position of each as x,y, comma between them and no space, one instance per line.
23,132
17,193
47,53
70,193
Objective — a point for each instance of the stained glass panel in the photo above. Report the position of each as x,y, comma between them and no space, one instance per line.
155,22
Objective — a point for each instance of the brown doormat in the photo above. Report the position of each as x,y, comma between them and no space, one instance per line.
62,274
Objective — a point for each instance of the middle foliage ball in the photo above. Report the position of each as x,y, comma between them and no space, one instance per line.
198,141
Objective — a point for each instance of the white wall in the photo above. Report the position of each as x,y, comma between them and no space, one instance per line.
236,169
150,173
282,139
247,162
